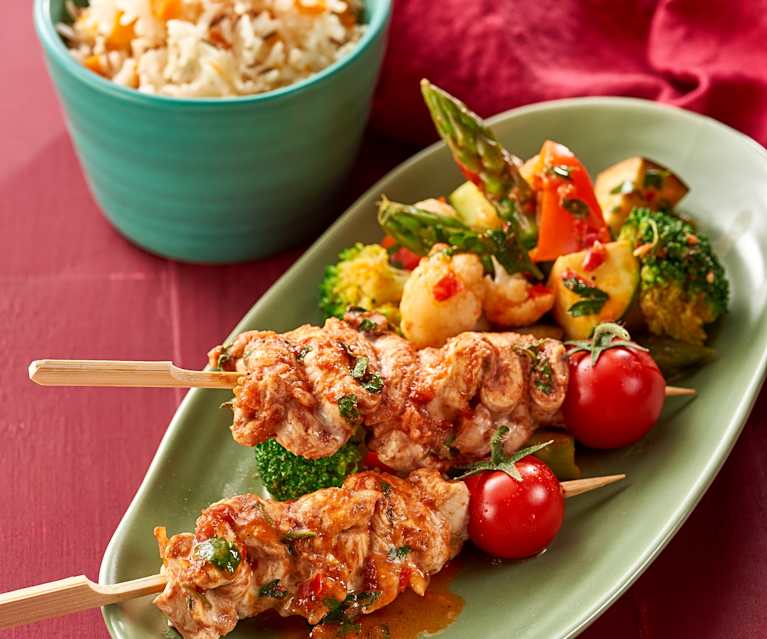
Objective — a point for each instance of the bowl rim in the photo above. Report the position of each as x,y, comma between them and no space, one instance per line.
55,46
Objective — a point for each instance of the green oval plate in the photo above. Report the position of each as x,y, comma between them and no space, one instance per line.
609,536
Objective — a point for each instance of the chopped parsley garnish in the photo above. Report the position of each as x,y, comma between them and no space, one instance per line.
221,553
385,487
371,382
542,373
303,353
584,308
576,207
374,383
360,367
343,612
397,554
367,325
292,536
347,406
272,589
593,300
223,358
653,178
627,186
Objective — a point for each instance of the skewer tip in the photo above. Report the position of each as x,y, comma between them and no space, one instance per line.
34,367
679,391
580,486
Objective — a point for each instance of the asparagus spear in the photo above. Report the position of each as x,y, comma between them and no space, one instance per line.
484,161
419,230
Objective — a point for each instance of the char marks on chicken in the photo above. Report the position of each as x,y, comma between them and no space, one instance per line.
311,388
329,555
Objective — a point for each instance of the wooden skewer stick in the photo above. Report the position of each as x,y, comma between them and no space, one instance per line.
680,391
580,486
58,598
96,372
65,596
93,372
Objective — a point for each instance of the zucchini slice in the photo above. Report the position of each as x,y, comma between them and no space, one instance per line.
584,298
473,208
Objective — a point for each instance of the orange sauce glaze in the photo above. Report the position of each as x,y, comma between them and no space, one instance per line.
407,617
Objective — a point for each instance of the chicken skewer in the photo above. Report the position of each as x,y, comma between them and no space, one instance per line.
443,503
312,388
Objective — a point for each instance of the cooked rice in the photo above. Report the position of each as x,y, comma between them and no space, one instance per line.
211,48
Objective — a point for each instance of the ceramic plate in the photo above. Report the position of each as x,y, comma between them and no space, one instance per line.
609,536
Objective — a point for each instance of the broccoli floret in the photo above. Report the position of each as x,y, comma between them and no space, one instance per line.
363,278
683,286
288,476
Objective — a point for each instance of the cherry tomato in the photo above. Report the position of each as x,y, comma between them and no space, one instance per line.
514,519
617,401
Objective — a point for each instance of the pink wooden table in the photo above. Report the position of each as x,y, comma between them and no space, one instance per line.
70,460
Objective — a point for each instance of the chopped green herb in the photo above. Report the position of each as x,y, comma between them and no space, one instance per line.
272,589
583,288
303,353
347,406
586,307
223,358
374,384
563,171
576,207
397,554
220,552
338,609
367,325
653,178
360,368
264,514
385,487
627,186
293,535
594,298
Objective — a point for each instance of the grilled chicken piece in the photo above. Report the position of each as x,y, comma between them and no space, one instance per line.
433,408
359,545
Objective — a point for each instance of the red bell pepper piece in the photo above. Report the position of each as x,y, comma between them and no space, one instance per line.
569,217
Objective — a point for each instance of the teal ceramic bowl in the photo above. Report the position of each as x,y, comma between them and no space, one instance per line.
220,179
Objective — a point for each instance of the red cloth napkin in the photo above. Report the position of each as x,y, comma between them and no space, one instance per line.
709,56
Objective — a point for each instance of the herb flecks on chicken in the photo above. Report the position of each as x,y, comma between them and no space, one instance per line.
328,556
433,407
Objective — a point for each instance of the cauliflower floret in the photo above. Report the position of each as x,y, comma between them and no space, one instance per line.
442,297
511,300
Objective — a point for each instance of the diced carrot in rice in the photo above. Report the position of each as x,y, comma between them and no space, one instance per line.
121,35
93,62
310,7
167,9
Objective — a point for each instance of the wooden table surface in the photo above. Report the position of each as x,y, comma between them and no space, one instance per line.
71,460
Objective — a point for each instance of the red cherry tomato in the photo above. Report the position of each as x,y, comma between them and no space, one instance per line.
617,401
514,519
